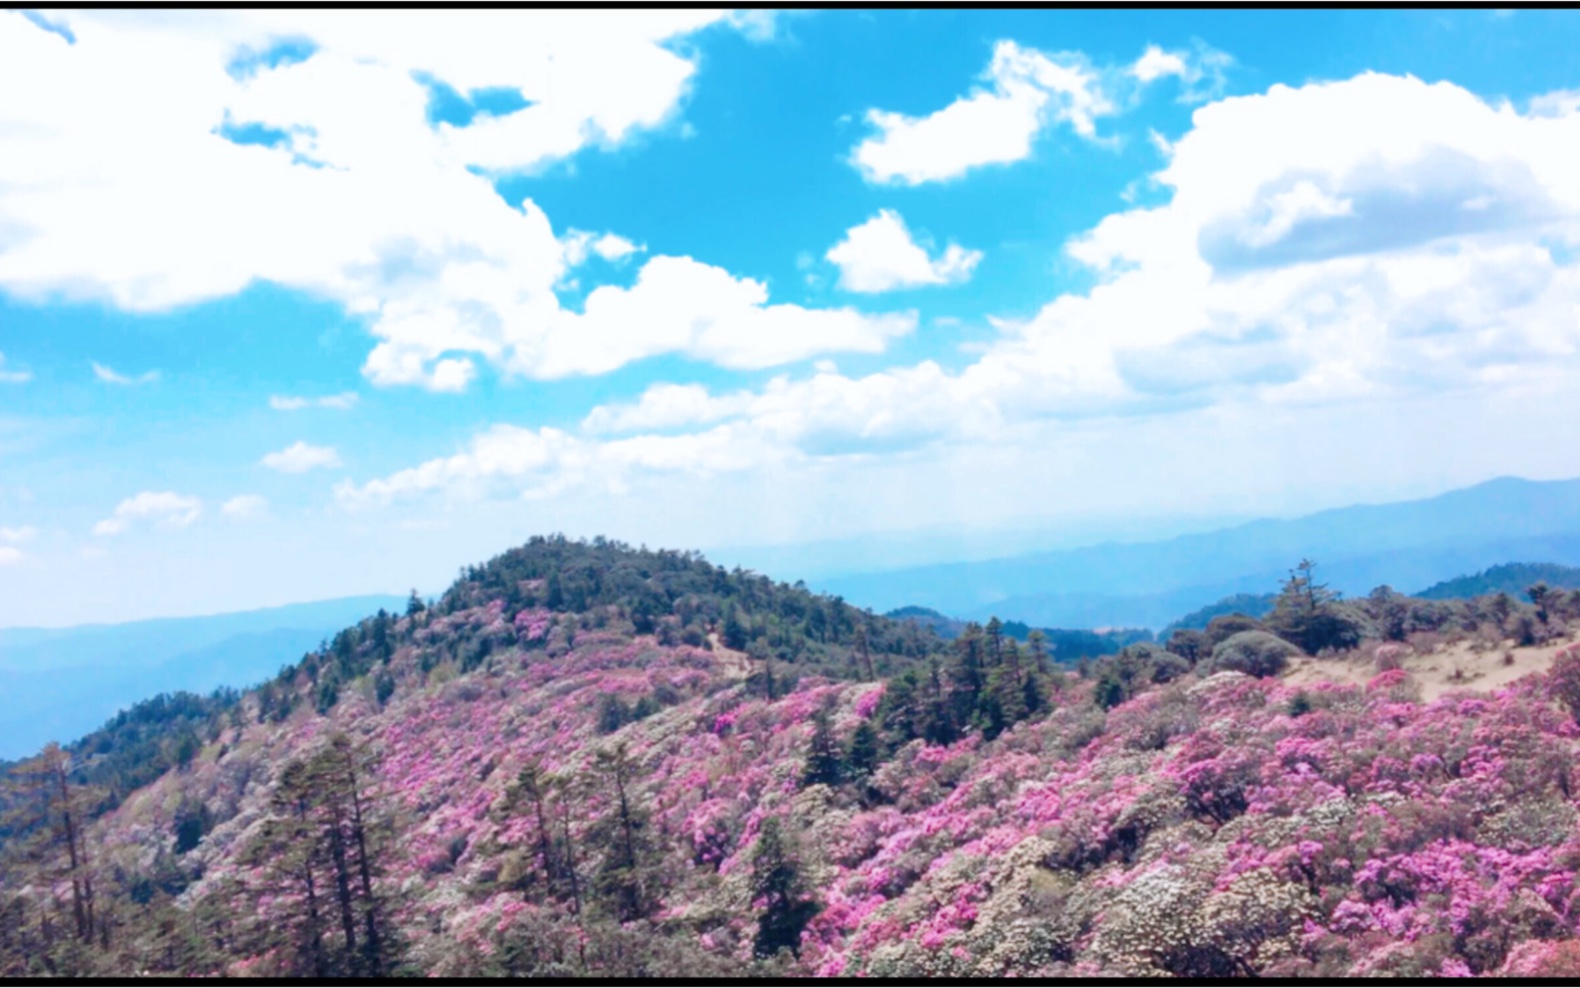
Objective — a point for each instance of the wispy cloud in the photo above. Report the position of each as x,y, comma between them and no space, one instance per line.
1022,94
245,506
301,457
13,376
1201,73
14,536
578,244
10,538
293,403
110,376
165,508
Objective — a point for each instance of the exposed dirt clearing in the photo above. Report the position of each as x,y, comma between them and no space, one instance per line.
732,662
1447,668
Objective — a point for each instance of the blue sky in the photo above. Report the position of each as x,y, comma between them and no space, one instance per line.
303,304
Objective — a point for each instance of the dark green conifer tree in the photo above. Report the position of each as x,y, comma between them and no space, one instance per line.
862,757
824,764
778,882
734,636
627,881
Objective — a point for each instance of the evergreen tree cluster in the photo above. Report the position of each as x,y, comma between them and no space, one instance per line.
320,850
683,598
987,682
1064,645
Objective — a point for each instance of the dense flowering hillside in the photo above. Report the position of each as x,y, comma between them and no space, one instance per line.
586,800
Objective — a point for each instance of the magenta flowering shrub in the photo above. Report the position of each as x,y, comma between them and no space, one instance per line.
1205,828
1543,959
533,625
1563,680
867,703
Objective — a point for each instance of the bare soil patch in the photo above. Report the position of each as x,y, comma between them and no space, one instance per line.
734,664
1447,667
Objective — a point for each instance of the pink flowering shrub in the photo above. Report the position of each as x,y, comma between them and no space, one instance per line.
1202,828
1543,959
1563,680
1390,656
868,702
533,625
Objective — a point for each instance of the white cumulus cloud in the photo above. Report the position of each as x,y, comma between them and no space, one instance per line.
1559,103
1155,63
612,247
11,555
165,508
300,457
1024,90
1375,239
16,536
679,305
118,175
880,255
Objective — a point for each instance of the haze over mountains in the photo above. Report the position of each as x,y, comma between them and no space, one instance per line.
1408,545
60,683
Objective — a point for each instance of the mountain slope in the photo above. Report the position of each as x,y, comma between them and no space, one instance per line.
545,792
1412,543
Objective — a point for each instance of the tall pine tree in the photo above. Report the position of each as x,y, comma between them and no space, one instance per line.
778,883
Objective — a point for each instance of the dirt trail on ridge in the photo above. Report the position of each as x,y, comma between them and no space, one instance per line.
734,663
1444,669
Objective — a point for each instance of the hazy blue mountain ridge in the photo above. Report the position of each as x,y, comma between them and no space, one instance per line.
1510,578
60,683
1064,644
1406,544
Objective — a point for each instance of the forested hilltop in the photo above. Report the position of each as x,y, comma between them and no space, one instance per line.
587,759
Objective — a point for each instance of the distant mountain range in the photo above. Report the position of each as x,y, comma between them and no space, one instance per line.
1257,605
1406,545
1511,578
1064,644
60,683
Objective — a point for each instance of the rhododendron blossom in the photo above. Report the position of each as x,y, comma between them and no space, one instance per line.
1374,833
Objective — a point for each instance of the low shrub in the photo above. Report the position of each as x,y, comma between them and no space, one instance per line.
1255,653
